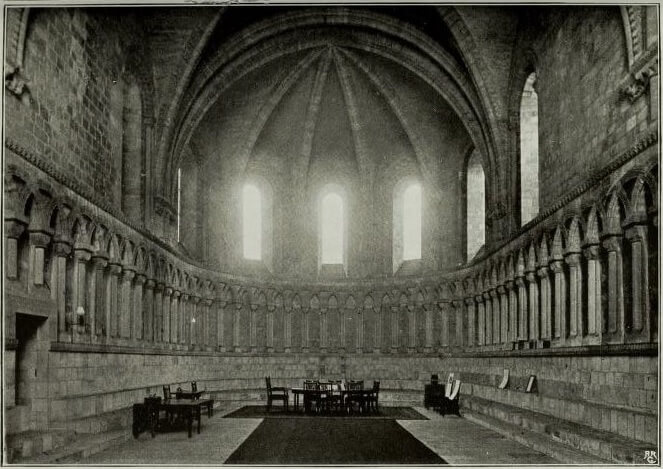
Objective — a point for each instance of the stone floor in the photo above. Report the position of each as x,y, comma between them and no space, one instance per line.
455,439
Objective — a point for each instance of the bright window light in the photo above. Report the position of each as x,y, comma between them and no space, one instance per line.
179,200
252,222
412,222
332,229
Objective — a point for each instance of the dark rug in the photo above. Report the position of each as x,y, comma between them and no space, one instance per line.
260,411
314,440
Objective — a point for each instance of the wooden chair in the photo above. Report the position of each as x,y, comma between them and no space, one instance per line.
167,394
194,386
335,397
275,394
372,398
312,399
355,395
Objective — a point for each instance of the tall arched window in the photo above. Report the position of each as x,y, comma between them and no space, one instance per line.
179,203
412,222
332,226
476,205
529,151
252,222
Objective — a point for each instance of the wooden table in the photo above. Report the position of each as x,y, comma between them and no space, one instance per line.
188,394
147,415
308,394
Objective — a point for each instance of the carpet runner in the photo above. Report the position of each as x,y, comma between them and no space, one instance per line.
314,440
260,411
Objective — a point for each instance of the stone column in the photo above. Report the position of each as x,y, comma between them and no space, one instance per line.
175,335
494,295
38,241
159,323
99,292
13,231
546,303
361,313
271,311
560,323
444,324
488,319
459,340
594,302
194,322
377,338
513,311
576,325
504,313
428,311
471,322
126,305
236,318
533,288
613,246
412,329
522,308
253,328
305,329
481,320
137,322
323,330
61,250
149,333
82,255
183,319
287,328
394,329
166,314
114,305
221,326
640,323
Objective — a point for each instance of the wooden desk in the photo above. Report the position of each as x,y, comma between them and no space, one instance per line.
147,415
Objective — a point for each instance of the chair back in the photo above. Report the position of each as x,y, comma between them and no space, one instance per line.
355,385
268,382
376,386
312,385
194,386
166,392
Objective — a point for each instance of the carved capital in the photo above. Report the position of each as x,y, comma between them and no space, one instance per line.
39,239
638,81
469,301
543,272
82,254
573,259
149,284
592,252
167,291
159,287
61,249
613,243
140,279
99,261
557,266
636,233
128,274
114,269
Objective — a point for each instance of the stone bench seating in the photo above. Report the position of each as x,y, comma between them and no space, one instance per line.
604,445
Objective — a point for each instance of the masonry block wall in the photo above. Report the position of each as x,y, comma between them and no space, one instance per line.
101,309
584,117
73,60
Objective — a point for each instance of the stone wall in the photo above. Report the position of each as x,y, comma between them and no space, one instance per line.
73,62
584,117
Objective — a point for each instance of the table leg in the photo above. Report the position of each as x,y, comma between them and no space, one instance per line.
198,416
189,421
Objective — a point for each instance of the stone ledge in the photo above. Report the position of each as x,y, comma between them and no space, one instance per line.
643,349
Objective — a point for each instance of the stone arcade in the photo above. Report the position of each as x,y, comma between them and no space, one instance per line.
490,173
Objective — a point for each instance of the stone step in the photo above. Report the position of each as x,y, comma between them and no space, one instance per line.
30,443
17,419
597,443
81,447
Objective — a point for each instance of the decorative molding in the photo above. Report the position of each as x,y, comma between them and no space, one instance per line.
640,146
15,81
638,81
